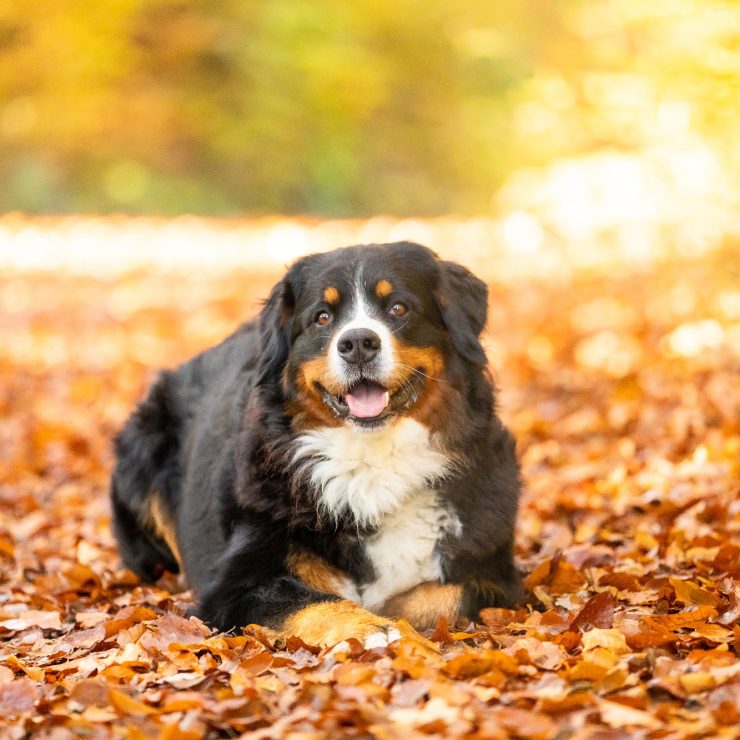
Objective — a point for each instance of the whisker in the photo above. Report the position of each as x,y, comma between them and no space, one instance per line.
403,326
419,372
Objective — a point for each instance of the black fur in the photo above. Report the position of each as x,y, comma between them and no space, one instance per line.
213,439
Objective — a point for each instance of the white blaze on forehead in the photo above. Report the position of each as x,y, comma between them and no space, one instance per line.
361,318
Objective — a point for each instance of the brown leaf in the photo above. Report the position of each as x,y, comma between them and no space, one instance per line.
128,705
434,711
676,622
37,674
170,629
32,618
410,692
128,617
598,611
691,594
257,664
611,639
649,638
545,655
441,631
620,581
90,692
620,716
523,723
351,674
17,698
557,574
468,665
496,617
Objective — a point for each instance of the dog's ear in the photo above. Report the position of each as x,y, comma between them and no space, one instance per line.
463,301
276,326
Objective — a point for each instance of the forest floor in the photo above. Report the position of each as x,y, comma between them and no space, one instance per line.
623,389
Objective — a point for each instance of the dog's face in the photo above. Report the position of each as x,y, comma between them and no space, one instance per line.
363,335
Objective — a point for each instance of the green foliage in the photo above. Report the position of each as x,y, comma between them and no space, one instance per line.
334,108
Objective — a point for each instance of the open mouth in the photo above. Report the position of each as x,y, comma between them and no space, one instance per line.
368,402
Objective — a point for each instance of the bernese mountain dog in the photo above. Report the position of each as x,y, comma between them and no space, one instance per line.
334,465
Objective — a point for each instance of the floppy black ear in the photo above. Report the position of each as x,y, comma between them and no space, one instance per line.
463,300
276,324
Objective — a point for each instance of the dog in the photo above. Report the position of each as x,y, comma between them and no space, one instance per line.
337,464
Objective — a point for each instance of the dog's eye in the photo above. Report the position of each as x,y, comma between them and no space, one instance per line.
323,317
398,310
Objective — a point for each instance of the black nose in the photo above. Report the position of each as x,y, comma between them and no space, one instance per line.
358,346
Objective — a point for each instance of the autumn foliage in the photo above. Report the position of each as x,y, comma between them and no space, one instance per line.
622,387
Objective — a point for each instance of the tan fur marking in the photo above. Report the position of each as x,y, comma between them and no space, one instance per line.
331,294
161,522
424,604
429,359
309,410
331,622
436,400
383,288
315,572
317,371
437,397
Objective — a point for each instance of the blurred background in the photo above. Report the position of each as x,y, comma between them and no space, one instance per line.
237,107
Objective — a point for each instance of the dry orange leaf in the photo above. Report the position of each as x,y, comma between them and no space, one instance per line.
127,704
691,594
674,622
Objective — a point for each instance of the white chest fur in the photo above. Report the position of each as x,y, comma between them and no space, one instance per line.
402,551
383,478
370,473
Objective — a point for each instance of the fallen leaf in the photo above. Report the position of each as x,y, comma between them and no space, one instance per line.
674,622
32,618
598,611
691,594
17,698
36,674
610,639
523,723
620,716
128,705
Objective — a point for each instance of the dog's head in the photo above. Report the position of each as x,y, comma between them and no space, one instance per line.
366,334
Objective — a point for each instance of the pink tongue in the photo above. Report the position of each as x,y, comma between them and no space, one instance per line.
367,401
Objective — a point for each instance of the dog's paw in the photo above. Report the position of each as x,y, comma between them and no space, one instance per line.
381,638
332,622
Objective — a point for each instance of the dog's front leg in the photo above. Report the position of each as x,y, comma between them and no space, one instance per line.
424,605
327,623
252,586
286,607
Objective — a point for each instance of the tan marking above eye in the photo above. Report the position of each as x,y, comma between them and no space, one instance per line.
331,294
383,288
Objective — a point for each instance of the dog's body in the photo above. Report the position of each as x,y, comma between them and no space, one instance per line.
341,450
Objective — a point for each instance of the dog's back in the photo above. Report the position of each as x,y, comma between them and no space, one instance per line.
154,453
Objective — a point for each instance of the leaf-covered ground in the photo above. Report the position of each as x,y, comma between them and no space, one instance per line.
623,390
